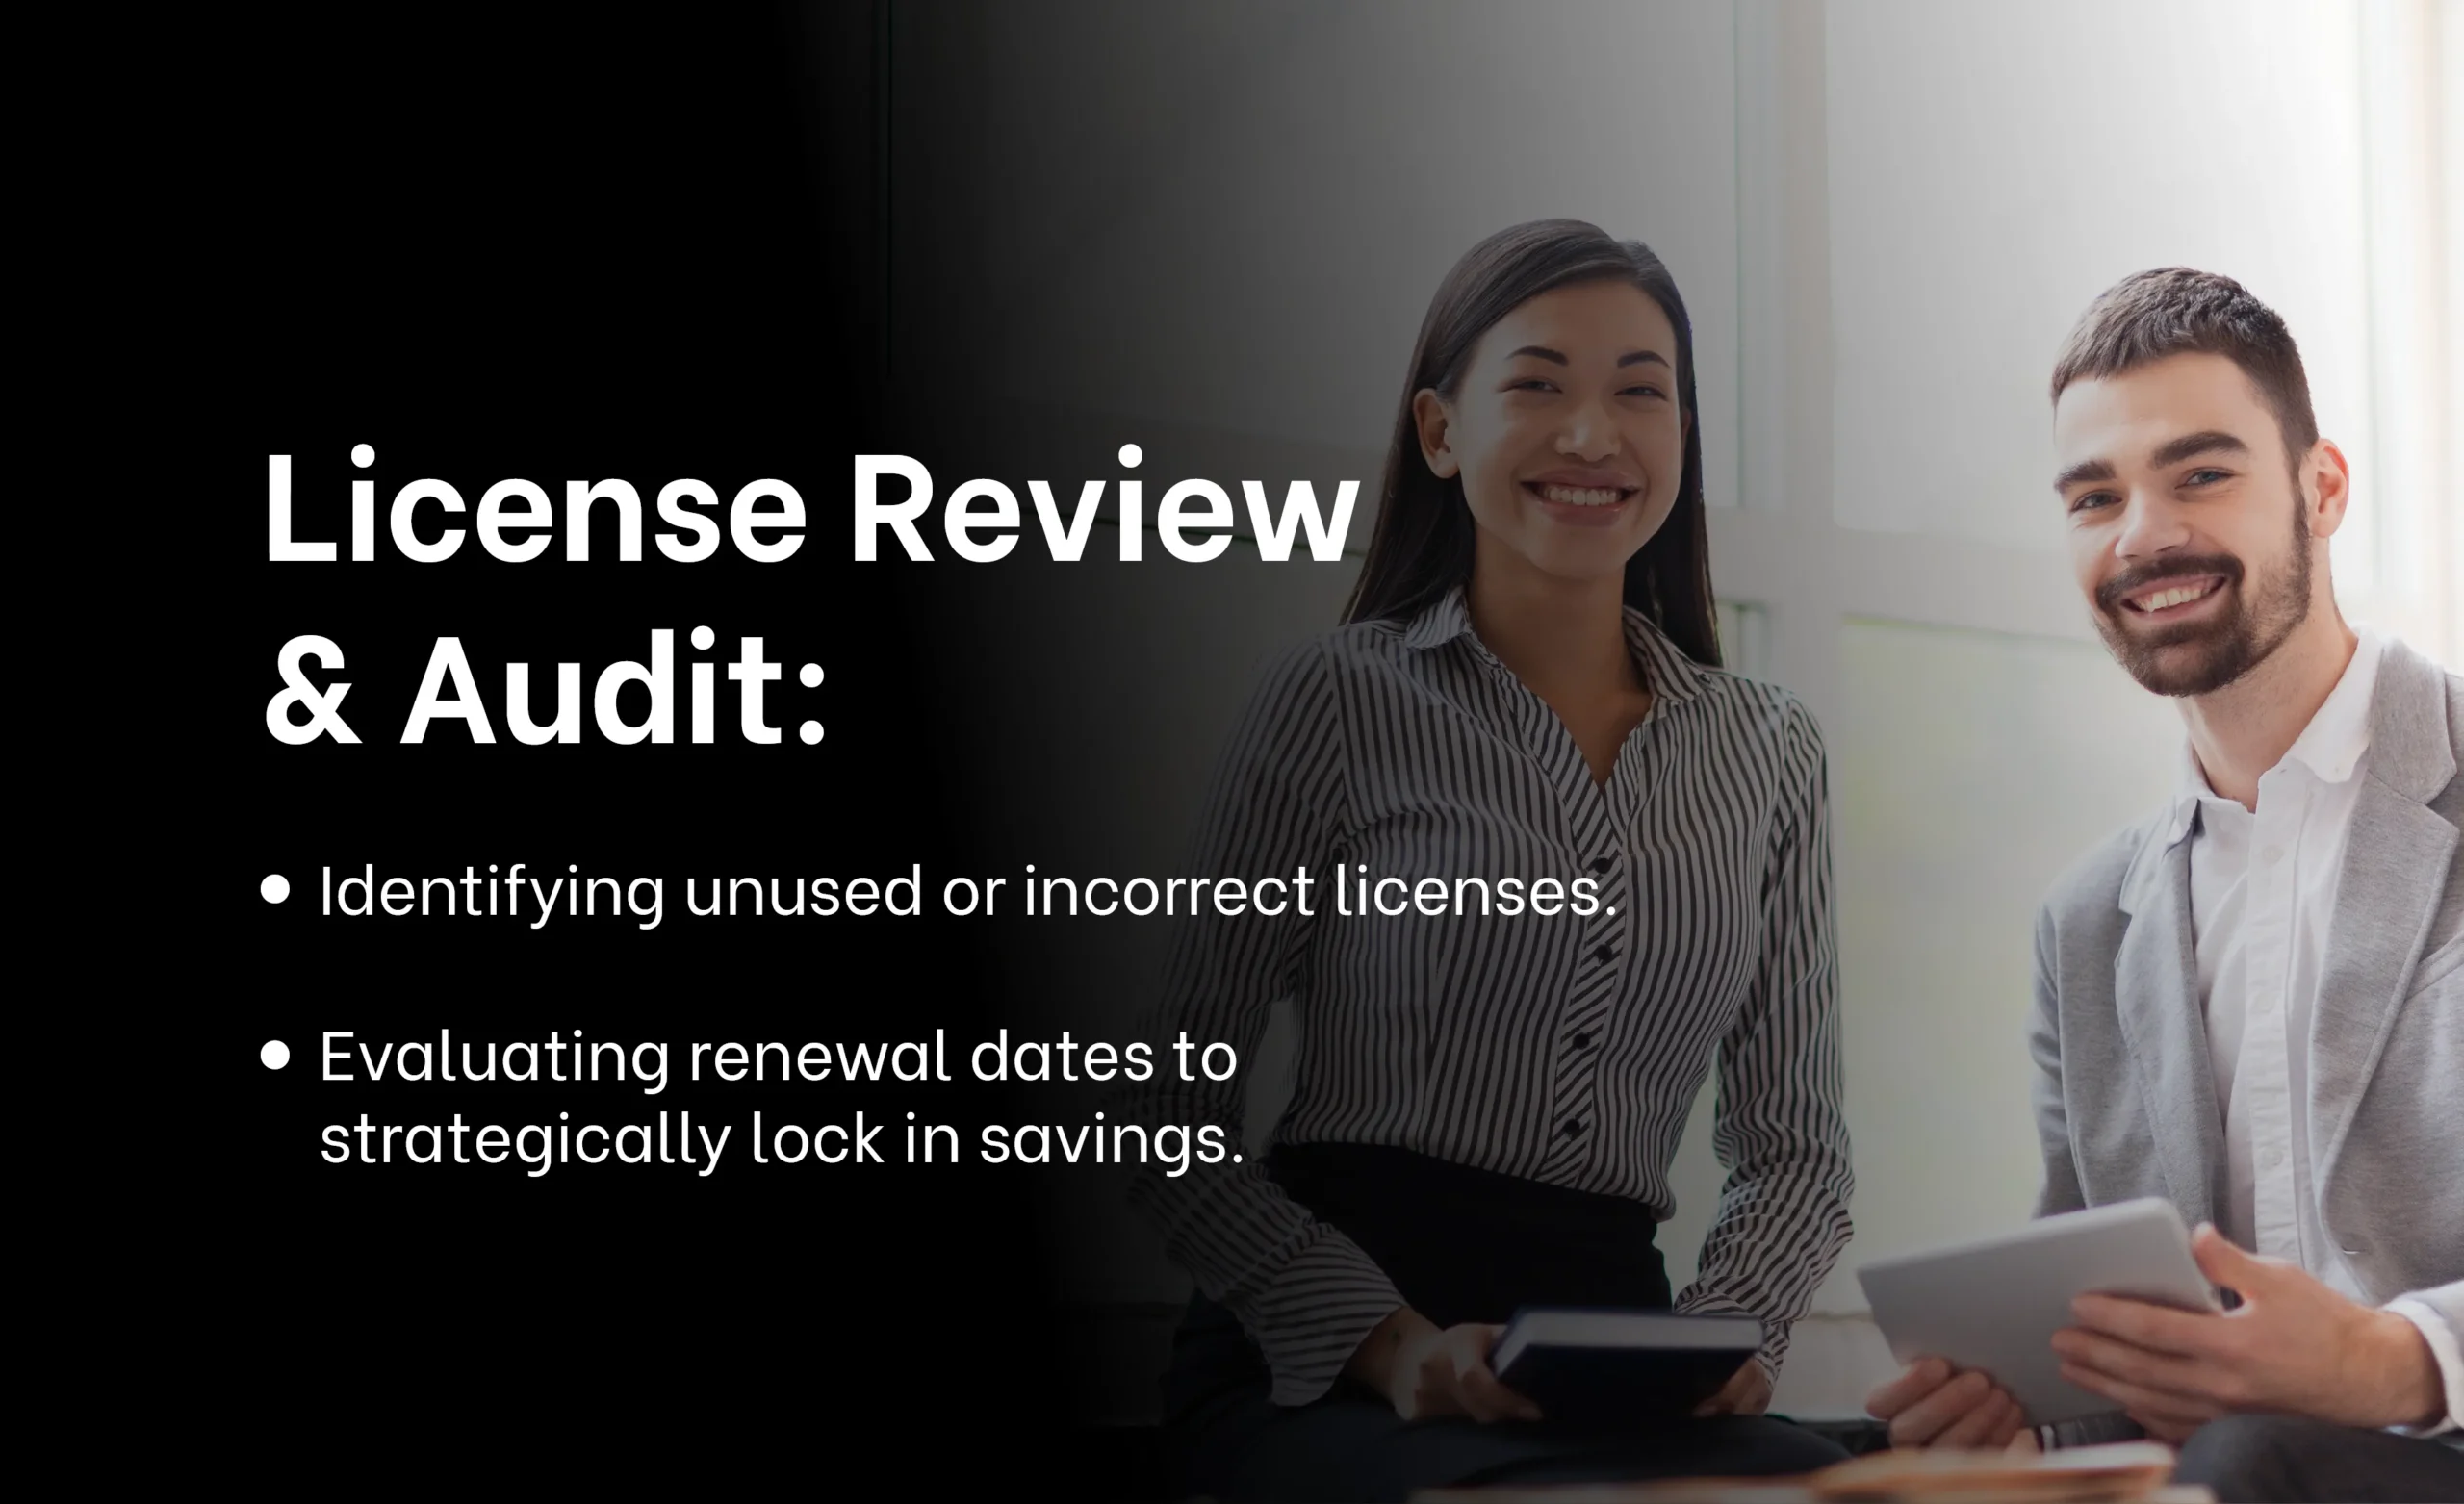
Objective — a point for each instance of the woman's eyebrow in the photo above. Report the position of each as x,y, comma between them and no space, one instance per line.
1629,358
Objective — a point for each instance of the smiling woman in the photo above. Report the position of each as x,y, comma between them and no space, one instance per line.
1486,1106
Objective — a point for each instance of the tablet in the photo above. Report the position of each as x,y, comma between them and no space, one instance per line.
1995,1304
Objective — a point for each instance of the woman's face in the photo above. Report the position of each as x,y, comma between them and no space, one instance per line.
1566,431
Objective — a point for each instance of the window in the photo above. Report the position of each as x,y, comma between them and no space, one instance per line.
1885,216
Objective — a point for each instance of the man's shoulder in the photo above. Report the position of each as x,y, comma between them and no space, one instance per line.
2418,695
2454,711
2440,684
2453,794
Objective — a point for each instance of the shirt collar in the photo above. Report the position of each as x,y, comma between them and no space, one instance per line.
2330,746
1671,674
2189,786
1440,621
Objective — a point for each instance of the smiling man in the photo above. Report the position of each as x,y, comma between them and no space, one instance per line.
2252,1003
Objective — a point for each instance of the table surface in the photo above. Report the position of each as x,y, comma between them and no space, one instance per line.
1766,1490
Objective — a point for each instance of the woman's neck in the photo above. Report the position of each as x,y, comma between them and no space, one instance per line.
1565,639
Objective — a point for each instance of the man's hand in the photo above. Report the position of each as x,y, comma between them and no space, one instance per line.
1933,1405
2294,1347
1427,1371
1748,1392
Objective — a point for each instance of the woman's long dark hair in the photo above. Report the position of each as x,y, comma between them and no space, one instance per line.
1423,543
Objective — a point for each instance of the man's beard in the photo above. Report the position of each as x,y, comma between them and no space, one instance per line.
2202,657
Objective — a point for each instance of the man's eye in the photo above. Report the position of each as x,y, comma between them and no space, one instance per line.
2091,500
2204,477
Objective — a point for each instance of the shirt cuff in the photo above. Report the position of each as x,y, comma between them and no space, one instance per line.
1311,1320
2443,1349
1701,1301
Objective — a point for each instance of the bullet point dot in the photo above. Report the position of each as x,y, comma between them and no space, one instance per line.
276,888
276,1055
811,676
811,731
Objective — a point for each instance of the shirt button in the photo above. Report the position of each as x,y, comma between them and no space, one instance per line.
1600,864
2271,854
1605,953
1573,1129
1583,1041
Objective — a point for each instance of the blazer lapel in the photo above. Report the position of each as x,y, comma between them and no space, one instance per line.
2395,870
2156,993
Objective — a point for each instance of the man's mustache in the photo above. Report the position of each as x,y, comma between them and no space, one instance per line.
2130,582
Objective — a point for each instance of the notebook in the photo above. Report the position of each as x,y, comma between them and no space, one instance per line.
1620,1367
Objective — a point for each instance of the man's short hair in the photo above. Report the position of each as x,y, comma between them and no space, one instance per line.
2174,311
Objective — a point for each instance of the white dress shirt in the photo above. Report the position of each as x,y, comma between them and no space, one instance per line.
2263,895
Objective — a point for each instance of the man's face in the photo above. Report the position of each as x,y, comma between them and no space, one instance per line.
2188,524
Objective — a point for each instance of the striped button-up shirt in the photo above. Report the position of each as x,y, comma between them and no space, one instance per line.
1565,1048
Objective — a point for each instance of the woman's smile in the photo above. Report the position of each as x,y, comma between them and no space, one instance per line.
1583,498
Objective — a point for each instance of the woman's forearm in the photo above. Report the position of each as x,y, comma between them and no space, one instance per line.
1373,1363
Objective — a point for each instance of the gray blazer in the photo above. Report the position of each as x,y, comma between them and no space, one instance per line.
2125,1101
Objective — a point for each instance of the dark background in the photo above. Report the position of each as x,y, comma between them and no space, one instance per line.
590,246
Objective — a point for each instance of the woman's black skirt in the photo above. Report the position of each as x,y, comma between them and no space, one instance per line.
1461,1245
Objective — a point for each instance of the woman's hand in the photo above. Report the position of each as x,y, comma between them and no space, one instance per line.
1748,1392
1425,1370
